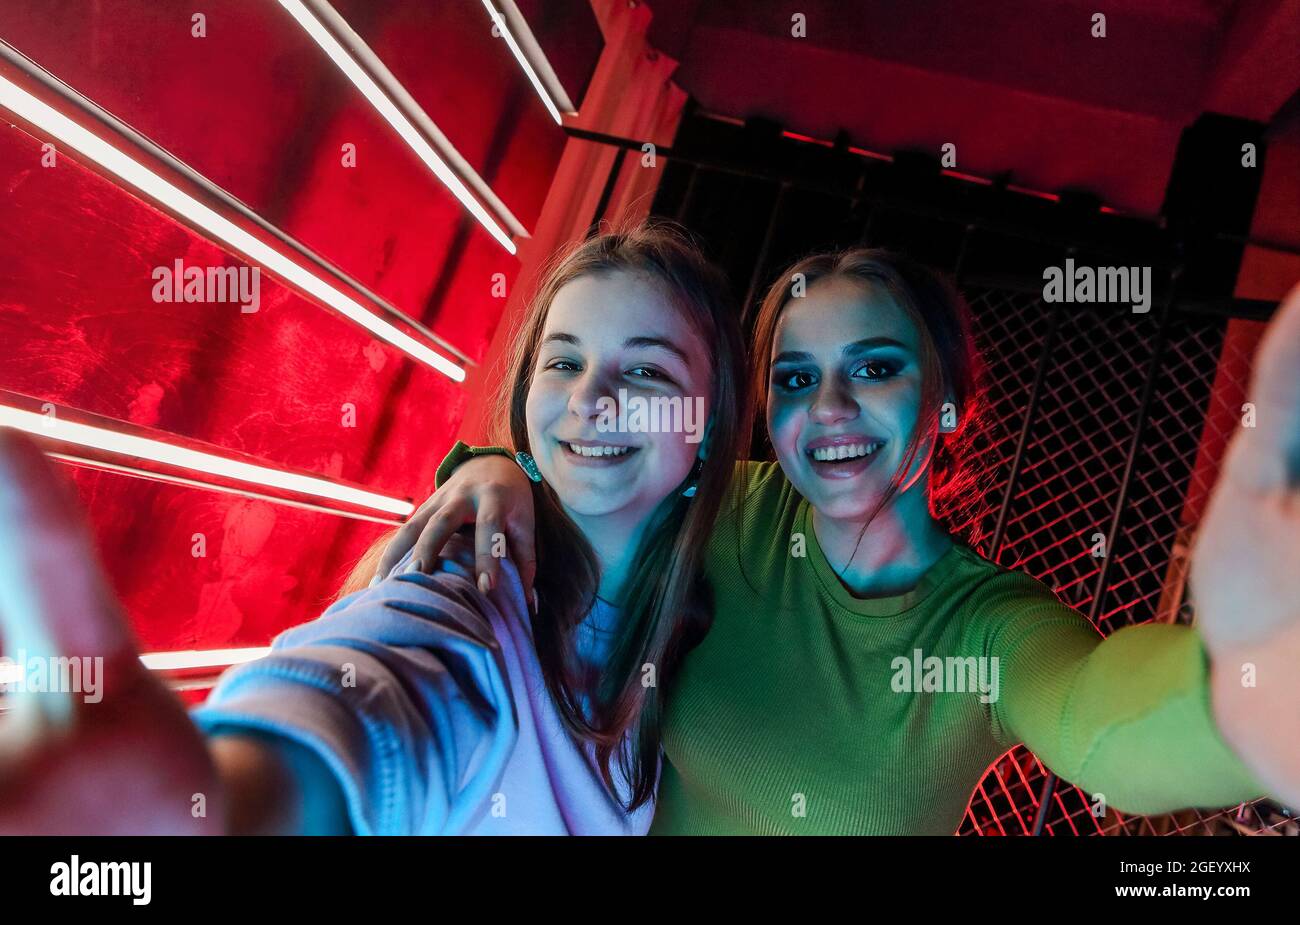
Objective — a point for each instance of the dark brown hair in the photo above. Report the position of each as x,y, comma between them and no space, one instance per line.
951,368
665,609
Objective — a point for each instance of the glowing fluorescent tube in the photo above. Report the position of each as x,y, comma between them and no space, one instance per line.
13,672
394,116
130,171
101,438
523,61
207,658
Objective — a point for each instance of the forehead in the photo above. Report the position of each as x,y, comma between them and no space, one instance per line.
838,311
615,305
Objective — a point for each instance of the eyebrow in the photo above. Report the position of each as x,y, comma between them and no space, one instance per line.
632,343
858,346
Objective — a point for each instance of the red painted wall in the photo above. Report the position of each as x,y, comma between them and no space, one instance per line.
259,109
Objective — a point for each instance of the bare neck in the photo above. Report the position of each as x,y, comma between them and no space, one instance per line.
898,546
615,541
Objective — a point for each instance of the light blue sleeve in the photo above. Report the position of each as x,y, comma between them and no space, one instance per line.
401,691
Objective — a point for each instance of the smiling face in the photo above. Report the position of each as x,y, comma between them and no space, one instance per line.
844,395
613,339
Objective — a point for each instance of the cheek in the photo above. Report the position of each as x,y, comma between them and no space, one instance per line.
672,458
784,417
900,405
541,408
674,445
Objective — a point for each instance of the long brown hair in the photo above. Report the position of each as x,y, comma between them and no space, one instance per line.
666,607
951,369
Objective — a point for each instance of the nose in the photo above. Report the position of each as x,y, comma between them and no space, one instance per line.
833,403
585,399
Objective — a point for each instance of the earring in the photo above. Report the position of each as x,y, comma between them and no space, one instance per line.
694,477
529,465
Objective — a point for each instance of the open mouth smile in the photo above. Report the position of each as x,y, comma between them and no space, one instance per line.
843,457
843,451
592,453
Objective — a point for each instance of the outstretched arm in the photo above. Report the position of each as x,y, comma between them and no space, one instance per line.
391,713
1127,718
276,787
398,696
1160,717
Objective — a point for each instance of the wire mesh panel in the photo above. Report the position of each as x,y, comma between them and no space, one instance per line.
1067,382
1011,329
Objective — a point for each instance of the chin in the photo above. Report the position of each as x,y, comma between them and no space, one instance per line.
592,505
850,499
587,499
855,508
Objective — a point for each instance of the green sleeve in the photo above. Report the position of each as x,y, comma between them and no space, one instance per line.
1127,717
461,452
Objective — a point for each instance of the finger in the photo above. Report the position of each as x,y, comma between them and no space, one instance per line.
407,535
54,602
521,535
489,544
438,532
53,598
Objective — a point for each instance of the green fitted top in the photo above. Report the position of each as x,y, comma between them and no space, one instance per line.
806,710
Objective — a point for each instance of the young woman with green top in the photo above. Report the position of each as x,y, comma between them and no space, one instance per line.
864,667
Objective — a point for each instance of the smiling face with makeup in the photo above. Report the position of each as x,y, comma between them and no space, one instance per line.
845,395
610,335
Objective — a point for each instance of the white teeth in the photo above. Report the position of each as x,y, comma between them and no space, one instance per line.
598,450
845,451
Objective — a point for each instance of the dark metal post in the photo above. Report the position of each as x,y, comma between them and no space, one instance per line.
1022,441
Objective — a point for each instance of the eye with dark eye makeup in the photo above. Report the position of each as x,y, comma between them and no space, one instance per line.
792,381
876,370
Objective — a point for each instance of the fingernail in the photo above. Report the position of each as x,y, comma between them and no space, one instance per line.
415,566
374,581
484,582
535,603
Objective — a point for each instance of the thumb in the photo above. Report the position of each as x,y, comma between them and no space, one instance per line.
53,597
